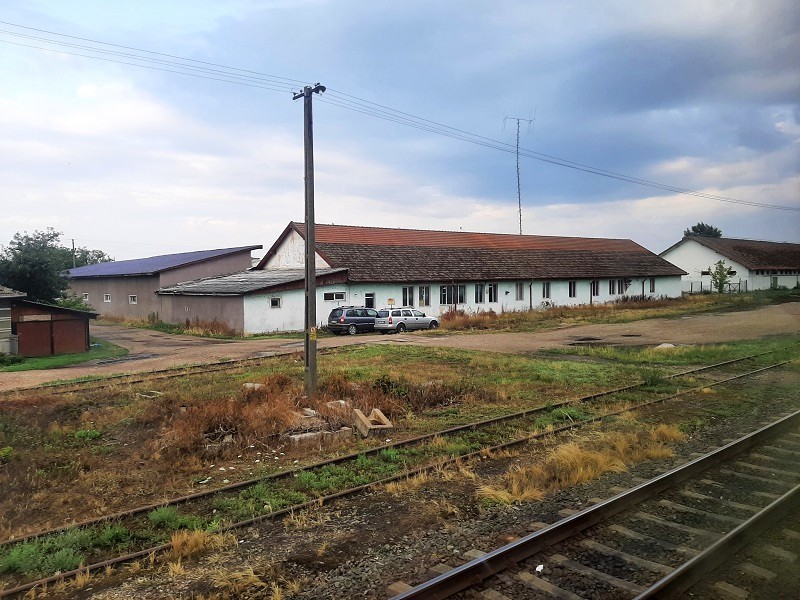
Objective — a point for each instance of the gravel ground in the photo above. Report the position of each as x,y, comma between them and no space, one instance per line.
363,545
150,350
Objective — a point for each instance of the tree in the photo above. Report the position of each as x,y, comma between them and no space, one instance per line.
35,264
704,230
719,275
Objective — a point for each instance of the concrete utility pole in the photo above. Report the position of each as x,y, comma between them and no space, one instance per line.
519,188
310,345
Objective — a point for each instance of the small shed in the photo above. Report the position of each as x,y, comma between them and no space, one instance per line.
44,329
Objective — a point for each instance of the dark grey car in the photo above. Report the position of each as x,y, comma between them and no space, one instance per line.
352,319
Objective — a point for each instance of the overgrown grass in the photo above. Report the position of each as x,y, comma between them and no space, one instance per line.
573,463
784,347
98,350
614,312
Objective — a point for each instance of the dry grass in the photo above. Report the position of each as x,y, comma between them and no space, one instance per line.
237,582
186,543
667,433
306,519
571,464
408,485
629,309
176,568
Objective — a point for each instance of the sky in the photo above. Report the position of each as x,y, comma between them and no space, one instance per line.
699,95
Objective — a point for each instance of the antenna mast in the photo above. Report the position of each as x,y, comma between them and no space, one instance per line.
519,187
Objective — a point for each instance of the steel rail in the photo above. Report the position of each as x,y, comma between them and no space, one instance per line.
352,456
698,568
352,491
494,562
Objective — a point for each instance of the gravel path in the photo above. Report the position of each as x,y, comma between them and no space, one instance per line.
150,350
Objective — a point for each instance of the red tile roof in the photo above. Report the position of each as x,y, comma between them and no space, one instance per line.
753,254
376,254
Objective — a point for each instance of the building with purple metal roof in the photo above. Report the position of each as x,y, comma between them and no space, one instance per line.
127,288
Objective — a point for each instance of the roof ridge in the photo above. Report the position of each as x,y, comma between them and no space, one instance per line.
509,235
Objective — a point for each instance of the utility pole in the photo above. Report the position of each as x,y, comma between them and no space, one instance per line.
73,253
519,187
310,344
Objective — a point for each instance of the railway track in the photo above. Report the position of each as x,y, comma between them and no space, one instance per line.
656,540
485,440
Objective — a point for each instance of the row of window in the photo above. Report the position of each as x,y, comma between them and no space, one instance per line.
484,292
132,299
778,272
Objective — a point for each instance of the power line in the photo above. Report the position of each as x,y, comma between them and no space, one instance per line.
170,63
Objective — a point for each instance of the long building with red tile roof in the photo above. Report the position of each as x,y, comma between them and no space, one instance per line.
431,271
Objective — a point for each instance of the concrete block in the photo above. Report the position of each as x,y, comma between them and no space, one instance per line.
473,554
375,422
331,438
306,440
398,587
439,569
252,386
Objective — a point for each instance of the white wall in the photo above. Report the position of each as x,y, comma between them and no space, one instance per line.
291,254
259,317
695,258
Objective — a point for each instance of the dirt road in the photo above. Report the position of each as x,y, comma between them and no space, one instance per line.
150,350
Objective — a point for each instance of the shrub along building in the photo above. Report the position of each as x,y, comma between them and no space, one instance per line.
127,288
752,264
435,271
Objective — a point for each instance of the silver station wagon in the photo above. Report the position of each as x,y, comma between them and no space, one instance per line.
401,319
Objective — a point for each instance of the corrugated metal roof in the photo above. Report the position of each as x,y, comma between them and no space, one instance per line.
753,254
245,282
153,264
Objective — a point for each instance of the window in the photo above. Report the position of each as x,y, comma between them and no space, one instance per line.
418,313
85,297
612,286
408,295
573,289
106,297
545,289
705,272
424,295
133,299
652,285
274,302
369,300
480,289
452,294
493,297
520,288
621,286
595,287
333,296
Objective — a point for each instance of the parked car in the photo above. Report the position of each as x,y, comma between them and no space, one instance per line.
352,319
400,319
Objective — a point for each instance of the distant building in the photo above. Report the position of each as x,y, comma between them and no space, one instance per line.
435,271
127,288
8,341
752,264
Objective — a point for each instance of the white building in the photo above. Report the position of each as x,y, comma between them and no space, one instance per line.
752,264
435,271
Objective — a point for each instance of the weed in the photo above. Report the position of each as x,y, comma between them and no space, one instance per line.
260,499
306,519
168,517
86,435
560,415
5,454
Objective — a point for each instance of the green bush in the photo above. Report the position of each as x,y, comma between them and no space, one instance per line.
5,454
11,359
